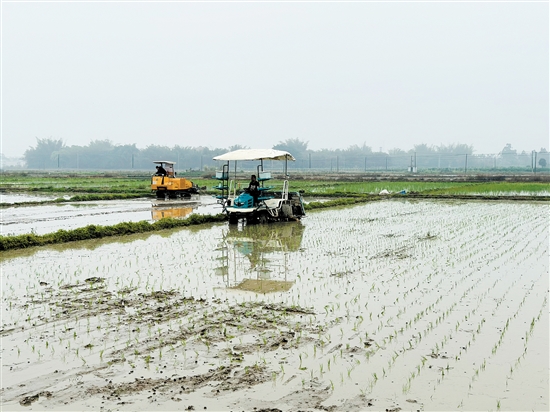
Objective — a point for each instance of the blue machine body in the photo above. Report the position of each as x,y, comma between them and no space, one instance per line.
243,201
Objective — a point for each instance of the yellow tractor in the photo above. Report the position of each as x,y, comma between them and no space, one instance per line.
166,185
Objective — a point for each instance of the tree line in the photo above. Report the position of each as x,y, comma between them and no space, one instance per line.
51,153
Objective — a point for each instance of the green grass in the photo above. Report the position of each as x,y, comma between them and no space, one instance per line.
67,185
323,188
341,202
113,186
313,188
493,188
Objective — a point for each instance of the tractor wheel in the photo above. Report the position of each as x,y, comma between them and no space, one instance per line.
233,219
262,218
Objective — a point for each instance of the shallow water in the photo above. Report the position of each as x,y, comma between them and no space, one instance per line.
50,218
24,197
395,304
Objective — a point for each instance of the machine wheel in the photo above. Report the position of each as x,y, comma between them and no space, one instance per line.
262,218
233,220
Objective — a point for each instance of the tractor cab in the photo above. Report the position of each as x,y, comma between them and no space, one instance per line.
167,186
165,165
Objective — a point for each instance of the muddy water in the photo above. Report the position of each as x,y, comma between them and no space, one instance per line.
395,304
50,218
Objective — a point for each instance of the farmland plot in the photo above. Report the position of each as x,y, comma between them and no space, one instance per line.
23,197
50,218
395,304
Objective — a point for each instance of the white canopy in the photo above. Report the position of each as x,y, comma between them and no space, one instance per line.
255,154
164,161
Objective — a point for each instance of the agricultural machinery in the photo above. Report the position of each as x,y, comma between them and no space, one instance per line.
167,186
266,204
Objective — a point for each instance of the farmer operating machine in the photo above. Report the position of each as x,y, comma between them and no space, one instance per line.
266,206
166,185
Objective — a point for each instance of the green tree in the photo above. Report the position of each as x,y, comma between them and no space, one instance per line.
507,150
356,150
98,155
397,152
295,147
237,147
456,149
122,156
41,156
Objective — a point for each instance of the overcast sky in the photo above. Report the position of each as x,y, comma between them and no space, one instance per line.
333,74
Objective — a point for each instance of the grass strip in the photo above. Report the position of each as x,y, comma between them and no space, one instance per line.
351,200
478,197
97,231
341,202
493,189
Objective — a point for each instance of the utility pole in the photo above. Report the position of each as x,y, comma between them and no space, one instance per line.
466,163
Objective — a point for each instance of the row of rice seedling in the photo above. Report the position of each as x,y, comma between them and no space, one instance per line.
468,255
495,189
408,301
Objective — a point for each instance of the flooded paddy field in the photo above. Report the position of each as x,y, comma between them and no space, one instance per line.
44,219
6,197
391,305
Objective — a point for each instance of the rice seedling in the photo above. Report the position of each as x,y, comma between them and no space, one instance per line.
404,326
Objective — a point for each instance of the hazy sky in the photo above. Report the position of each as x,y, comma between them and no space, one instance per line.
333,74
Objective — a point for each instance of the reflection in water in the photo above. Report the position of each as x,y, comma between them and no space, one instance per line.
176,213
254,257
173,209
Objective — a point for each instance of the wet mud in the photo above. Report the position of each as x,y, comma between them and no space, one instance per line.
397,305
